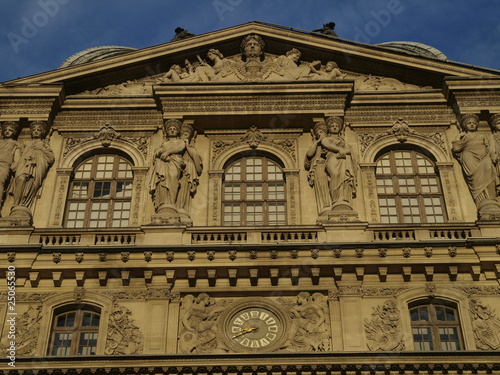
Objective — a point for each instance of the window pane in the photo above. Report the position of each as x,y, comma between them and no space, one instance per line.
253,169
232,192
254,214
383,165
385,186
274,172
88,343
80,190
62,344
232,214
276,213
84,170
422,338
407,185
254,192
449,338
123,189
102,189
276,191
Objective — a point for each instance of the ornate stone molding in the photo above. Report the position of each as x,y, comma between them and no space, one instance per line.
145,294
123,336
485,324
364,292
27,332
383,330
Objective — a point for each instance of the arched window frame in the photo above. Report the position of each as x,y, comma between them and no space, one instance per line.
254,191
411,297
444,165
59,302
75,330
68,163
290,170
408,181
435,325
100,192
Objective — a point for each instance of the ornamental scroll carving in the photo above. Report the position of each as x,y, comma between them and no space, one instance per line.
485,324
106,135
27,332
310,323
123,336
383,330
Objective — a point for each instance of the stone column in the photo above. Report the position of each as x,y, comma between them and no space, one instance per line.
368,187
63,176
292,196
215,213
450,193
136,206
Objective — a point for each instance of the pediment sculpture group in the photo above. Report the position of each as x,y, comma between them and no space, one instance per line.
253,66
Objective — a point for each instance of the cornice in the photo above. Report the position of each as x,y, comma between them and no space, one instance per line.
313,40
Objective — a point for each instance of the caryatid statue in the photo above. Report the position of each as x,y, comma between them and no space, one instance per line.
30,170
315,163
189,178
9,155
168,166
341,165
475,153
495,127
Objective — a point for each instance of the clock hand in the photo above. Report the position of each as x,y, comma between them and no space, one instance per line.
246,330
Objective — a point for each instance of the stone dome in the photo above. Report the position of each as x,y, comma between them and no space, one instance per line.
414,48
94,54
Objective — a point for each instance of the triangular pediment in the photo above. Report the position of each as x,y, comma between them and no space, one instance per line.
373,67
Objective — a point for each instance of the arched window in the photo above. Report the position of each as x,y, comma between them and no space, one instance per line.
254,193
100,193
75,331
435,326
409,189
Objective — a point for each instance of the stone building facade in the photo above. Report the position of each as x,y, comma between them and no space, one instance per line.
255,200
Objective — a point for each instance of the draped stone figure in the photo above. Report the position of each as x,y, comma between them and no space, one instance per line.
475,152
190,174
9,155
168,166
495,127
340,165
315,164
34,162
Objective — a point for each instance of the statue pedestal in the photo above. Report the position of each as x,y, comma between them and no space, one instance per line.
166,215
489,210
340,212
19,216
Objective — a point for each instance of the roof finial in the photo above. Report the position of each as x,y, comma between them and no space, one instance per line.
327,30
181,33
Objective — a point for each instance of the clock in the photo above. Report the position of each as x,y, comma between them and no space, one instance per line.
254,325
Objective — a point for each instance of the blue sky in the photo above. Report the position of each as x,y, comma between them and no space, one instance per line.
38,35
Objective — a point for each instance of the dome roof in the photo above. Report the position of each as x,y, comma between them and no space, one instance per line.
94,54
415,48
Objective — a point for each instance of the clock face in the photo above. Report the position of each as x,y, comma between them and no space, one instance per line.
254,325
255,328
